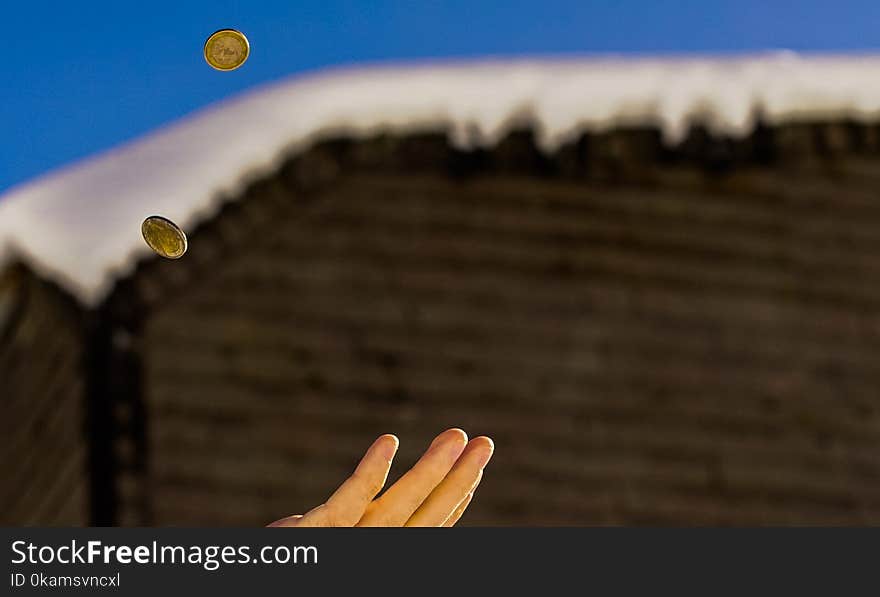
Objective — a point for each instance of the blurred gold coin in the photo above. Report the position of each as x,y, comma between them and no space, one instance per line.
227,49
164,237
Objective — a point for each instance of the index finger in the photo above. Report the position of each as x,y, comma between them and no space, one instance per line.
348,503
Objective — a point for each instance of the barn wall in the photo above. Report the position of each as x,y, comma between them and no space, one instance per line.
43,448
687,351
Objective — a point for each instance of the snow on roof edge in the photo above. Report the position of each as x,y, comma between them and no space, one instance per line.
80,226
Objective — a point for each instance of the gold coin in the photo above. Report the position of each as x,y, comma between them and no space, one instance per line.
164,237
227,49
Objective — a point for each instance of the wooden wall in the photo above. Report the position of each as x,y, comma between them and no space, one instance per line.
648,343
43,448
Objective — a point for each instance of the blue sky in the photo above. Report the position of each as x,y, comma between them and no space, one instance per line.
81,77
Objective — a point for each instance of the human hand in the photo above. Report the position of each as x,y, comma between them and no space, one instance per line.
433,493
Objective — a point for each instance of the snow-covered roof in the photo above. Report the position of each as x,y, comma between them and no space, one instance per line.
80,226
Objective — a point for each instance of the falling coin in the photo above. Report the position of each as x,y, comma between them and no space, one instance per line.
227,49
164,237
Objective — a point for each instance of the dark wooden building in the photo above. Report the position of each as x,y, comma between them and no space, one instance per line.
43,445
652,333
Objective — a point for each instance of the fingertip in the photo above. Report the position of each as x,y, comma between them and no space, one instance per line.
458,435
485,447
485,439
389,437
451,435
387,445
457,431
